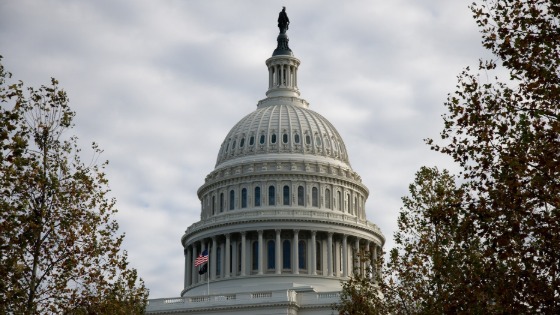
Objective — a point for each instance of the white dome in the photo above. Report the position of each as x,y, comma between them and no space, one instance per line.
283,126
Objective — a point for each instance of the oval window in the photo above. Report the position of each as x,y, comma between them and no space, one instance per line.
317,140
242,142
233,146
307,139
296,138
252,140
261,141
285,138
273,138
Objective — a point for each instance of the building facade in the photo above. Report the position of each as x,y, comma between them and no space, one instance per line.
282,214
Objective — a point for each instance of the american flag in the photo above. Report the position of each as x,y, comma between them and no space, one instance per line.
201,259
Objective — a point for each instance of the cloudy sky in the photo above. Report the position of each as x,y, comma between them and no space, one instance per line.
158,84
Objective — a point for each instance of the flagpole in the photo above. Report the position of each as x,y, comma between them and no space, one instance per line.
208,275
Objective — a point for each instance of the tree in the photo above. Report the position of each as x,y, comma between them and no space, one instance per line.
59,246
361,294
506,137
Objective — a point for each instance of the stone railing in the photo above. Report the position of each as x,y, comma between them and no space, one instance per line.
247,298
247,215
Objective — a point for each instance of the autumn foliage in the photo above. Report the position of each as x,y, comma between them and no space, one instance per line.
59,244
487,241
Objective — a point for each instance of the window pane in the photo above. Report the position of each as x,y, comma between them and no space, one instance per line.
285,138
286,255
296,138
271,196
328,198
302,255
244,198
286,196
300,196
231,199
314,197
271,255
261,139
222,202
257,196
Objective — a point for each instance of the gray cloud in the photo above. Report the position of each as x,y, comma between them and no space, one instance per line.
158,84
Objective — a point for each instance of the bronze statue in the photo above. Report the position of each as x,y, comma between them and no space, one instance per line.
283,21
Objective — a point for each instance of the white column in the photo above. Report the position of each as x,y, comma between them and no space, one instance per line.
213,258
278,252
194,278
228,255
234,257
188,273
313,269
329,255
345,255
260,246
296,252
357,255
243,252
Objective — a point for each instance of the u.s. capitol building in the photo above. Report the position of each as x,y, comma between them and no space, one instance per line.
283,213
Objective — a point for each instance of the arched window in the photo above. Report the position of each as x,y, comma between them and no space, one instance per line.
285,138
271,255
271,196
296,138
356,205
213,205
317,140
314,197
261,140
255,256
257,196
286,255
273,138
231,199
302,255
300,196
219,261
328,198
242,142
339,194
252,140
221,202
318,256
349,205
307,140
286,195
244,198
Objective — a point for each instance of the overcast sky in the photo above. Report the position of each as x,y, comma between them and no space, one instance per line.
158,84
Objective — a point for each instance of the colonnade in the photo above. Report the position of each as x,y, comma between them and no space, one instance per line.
282,75
279,251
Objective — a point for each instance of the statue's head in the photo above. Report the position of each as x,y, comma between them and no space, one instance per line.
283,8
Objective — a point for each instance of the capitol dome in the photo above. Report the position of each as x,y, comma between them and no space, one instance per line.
283,127
283,217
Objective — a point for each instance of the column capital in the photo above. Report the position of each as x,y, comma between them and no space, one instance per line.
260,232
296,231
243,233
228,235
313,232
278,230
